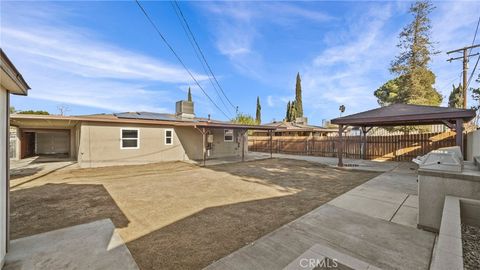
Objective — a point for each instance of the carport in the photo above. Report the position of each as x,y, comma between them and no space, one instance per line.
44,137
403,115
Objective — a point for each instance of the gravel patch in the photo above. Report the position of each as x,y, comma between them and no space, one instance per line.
471,247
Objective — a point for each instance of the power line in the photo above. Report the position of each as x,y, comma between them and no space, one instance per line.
197,54
478,58
465,58
475,36
203,56
473,72
178,57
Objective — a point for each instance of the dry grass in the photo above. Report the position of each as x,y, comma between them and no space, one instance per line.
176,215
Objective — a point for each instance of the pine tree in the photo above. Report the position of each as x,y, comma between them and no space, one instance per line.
455,100
189,96
298,97
258,115
414,82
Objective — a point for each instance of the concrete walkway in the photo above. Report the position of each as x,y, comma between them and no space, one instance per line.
374,223
93,245
25,170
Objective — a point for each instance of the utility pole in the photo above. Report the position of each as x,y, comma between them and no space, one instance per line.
465,67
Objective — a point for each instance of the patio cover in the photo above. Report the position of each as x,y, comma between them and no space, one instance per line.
403,115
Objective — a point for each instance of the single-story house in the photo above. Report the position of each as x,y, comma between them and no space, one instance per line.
298,128
130,138
11,82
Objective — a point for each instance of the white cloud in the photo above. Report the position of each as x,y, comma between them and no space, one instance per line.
348,72
66,64
83,55
237,28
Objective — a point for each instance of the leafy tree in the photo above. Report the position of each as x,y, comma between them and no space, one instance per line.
388,93
414,81
34,112
258,114
244,119
455,100
189,98
298,97
12,109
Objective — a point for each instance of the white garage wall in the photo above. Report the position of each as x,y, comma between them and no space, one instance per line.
3,174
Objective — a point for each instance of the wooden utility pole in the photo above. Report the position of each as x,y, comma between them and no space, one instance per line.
465,68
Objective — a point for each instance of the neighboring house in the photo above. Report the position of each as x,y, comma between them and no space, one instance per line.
130,138
298,128
11,82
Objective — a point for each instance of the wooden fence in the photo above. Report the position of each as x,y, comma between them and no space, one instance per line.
394,147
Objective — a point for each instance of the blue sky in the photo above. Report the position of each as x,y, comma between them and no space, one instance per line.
103,57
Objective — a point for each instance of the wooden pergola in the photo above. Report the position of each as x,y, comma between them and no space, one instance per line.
403,115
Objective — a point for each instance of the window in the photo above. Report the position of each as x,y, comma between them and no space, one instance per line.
228,135
168,136
129,138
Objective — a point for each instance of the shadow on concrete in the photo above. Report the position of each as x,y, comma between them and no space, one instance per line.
53,206
16,173
212,233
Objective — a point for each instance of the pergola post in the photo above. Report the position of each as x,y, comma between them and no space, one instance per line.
271,144
459,133
243,145
340,146
203,146
364,142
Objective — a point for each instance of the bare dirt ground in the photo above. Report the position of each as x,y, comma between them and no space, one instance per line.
177,215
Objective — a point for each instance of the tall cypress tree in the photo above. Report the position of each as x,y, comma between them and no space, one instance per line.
287,115
258,115
298,97
293,112
189,97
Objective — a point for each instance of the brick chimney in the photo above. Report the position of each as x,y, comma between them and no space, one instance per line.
184,109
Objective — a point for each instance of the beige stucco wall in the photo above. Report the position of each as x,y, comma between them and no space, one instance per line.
99,145
473,145
220,148
4,110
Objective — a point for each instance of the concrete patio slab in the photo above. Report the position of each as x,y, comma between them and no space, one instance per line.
406,215
367,206
217,161
374,241
93,245
367,165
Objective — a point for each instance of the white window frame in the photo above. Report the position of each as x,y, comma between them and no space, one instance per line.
233,135
171,136
121,138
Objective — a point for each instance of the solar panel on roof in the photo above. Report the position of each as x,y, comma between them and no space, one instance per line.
151,116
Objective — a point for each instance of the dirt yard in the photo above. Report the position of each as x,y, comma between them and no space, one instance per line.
177,215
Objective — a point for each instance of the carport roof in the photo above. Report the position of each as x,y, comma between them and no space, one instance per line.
46,120
405,114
